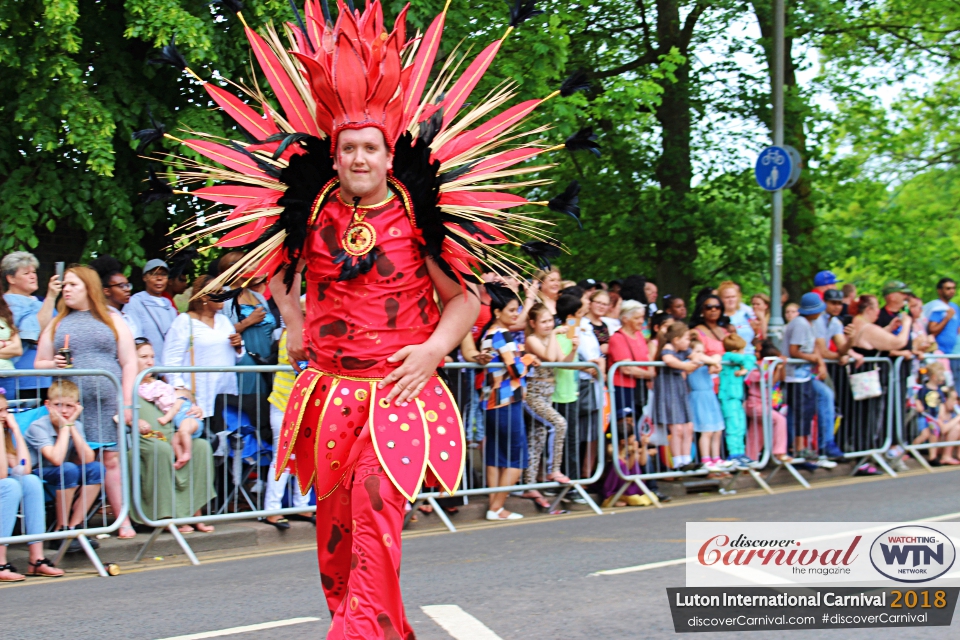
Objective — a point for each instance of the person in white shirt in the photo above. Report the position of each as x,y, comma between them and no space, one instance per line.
152,312
202,337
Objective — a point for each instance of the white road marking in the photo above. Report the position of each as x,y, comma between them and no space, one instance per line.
458,623
670,563
235,630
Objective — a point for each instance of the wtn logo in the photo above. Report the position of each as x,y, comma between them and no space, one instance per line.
912,553
899,554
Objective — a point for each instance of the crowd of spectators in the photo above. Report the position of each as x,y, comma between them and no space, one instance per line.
695,404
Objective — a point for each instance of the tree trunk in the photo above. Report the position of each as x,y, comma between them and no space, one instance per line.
677,245
799,223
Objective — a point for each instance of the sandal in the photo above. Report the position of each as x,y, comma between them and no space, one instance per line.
44,568
558,477
949,461
204,528
186,528
425,508
121,536
12,571
281,524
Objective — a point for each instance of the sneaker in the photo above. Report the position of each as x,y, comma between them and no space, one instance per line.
825,463
495,515
832,452
723,465
807,455
661,497
709,464
745,460
578,499
900,465
866,470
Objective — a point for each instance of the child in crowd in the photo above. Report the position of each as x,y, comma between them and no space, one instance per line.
707,417
949,425
542,341
175,403
736,365
754,409
632,456
566,394
502,392
791,311
658,324
19,486
929,403
64,459
671,402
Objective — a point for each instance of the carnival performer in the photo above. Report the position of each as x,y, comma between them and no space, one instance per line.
374,191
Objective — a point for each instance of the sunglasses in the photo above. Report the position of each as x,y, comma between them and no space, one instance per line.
711,306
140,341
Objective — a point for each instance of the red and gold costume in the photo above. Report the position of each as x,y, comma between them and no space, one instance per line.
368,290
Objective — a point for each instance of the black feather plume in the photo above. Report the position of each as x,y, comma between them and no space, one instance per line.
430,127
568,202
305,176
263,165
225,295
453,174
286,138
583,140
149,136
541,252
171,56
522,10
181,261
233,6
159,190
303,29
577,81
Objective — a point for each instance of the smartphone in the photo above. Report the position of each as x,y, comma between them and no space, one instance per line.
571,328
58,268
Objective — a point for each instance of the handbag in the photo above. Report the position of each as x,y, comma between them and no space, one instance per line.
865,385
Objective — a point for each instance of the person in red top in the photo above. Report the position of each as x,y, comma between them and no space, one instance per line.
824,281
629,345
370,190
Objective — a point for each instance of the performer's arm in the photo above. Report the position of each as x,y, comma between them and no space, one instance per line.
460,311
289,304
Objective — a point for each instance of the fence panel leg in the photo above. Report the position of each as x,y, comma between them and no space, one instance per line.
172,528
62,551
647,492
883,464
922,460
146,547
560,497
759,480
590,503
440,512
796,475
94,558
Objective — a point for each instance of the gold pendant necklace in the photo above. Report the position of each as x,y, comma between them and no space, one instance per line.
360,237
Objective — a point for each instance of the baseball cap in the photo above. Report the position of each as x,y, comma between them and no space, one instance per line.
156,263
824,278
833,295
811,304
624,412
895,286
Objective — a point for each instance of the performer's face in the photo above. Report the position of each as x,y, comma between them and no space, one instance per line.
362,162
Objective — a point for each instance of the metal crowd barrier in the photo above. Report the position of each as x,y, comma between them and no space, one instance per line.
241,447
657,469
89,528
581,452
908,418
865,426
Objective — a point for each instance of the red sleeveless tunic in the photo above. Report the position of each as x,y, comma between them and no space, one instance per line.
352,327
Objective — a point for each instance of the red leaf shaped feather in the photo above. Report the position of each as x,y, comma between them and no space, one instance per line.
460,91
294,109
250,120
422,64
228,157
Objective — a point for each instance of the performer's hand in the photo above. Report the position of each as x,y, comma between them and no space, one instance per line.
419,364
295,351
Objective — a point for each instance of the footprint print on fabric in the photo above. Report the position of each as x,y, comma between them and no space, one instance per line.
336,536
372,485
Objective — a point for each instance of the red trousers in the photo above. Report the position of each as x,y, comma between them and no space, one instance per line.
358,546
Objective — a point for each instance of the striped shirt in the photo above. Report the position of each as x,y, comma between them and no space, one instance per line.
282,381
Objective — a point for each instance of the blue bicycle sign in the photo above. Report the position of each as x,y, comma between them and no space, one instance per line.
774,169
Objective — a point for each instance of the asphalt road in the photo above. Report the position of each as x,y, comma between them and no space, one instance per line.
528,580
